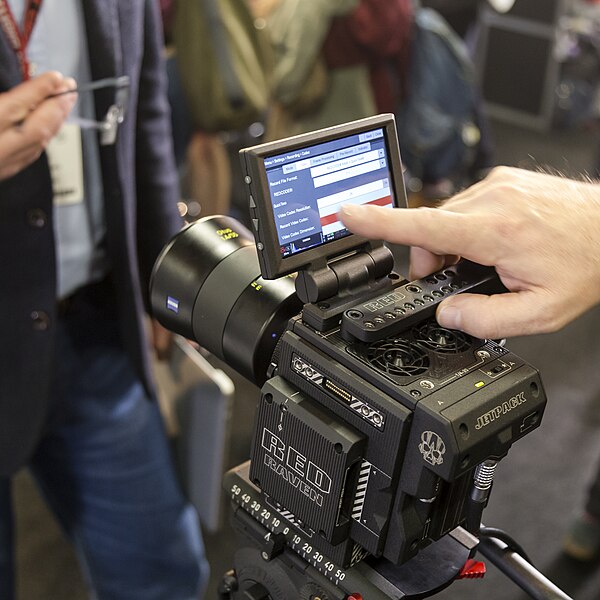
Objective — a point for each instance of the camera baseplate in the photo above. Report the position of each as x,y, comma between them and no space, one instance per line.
286,558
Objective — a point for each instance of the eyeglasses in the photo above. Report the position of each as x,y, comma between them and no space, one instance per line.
116,111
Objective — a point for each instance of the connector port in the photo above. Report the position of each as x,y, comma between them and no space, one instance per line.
337,391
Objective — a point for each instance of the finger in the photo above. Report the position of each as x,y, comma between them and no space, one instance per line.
423,263
49,116
437,231
16,141
496,316
18,162
21,145
18,102
162,340
39,127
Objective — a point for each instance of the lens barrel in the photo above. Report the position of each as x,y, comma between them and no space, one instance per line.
206,285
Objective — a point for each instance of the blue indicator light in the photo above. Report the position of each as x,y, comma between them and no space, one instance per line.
172,304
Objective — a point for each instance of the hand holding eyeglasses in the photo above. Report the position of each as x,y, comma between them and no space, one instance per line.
29,119
107,128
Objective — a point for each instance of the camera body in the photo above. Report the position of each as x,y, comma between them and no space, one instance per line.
377,430
373,445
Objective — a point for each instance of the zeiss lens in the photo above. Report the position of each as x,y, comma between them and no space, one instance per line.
206,285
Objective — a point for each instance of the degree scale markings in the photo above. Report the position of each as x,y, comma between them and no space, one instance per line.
293,536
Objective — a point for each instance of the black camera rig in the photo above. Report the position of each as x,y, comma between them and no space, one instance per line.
377,431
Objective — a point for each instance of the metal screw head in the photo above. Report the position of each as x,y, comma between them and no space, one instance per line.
483,354
354,314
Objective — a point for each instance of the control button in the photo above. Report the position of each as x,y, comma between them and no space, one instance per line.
415,289
255,223
40,320
37,218
251,201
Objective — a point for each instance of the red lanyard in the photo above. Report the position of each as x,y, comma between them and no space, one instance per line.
17,38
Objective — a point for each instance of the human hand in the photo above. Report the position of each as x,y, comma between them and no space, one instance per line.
29,119
162,340
541,232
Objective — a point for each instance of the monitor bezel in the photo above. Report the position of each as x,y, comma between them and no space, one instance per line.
272,264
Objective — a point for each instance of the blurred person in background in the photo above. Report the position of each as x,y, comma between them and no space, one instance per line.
335,60
462,17
82,219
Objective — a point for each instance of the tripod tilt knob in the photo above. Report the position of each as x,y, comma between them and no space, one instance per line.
273,546
473,569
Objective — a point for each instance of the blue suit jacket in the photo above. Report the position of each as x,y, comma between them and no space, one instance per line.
140,187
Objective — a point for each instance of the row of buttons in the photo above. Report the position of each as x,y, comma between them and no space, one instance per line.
407,306
415,301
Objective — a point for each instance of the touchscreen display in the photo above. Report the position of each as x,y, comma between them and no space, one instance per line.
307,187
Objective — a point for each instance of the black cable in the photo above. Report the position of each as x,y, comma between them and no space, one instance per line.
499,534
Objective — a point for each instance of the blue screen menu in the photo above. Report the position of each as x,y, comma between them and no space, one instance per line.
309,185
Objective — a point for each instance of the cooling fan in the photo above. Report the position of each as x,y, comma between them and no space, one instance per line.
396,357
440,339
426,349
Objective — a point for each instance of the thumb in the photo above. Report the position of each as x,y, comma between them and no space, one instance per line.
492,317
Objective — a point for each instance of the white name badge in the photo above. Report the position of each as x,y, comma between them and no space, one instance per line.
66,165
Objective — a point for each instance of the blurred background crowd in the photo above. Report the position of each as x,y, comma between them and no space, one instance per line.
284,67
473,84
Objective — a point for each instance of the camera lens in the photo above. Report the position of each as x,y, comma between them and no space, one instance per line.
206,285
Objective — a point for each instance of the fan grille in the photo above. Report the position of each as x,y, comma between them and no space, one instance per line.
398,357
440,339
